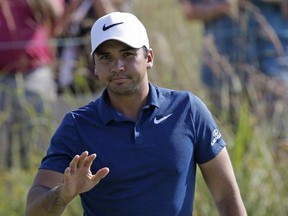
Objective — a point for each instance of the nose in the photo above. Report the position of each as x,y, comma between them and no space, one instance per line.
118,65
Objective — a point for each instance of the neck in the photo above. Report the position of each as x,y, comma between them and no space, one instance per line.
129,105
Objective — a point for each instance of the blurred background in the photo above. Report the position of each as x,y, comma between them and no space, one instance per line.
260,165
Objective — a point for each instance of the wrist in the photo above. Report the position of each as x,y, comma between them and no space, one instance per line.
62,197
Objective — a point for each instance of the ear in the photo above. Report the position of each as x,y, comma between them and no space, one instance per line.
93,60
150,59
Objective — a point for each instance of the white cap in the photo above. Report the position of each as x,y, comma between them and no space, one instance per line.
124,27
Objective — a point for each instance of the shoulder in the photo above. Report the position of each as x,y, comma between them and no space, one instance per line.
83,112
168,93
74,123
179,96
89,109
182,102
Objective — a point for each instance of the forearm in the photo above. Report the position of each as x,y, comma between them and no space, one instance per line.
231,205
103,7
220,179
49,203
205,11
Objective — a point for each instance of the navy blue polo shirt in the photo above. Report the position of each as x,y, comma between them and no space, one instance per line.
152,161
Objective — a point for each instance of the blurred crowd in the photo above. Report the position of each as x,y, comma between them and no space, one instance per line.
73,32
44,45
245,59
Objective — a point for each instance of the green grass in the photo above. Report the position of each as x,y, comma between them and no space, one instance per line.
260,171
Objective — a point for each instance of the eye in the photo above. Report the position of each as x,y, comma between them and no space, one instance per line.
104,58
128,54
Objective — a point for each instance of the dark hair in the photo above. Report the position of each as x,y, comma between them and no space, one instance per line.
145,50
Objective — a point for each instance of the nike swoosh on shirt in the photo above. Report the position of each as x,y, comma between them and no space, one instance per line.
158,121
105,28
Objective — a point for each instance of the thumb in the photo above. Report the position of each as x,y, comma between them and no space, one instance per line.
102,173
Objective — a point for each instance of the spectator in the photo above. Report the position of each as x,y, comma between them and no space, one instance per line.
26,75
224,50
245,45
78,19
148,140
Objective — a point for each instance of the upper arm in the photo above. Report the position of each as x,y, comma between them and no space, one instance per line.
218,175
43,182
220,179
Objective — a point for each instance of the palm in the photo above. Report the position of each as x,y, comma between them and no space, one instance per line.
78,177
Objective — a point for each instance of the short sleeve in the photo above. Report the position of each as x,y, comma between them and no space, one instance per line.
209,141
63,147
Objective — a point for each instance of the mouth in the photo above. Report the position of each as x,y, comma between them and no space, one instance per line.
119,80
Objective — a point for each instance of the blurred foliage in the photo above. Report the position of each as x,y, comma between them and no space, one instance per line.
261,169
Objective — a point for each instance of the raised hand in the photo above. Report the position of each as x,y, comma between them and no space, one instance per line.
78,177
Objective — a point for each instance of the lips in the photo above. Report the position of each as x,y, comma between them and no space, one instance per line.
119,80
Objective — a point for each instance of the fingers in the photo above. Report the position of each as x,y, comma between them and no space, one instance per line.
101,174
82,161
78,177
89,160
67,174
85,160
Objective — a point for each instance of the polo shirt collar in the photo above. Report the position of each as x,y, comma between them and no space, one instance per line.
108,113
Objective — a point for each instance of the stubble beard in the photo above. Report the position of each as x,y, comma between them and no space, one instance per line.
129,90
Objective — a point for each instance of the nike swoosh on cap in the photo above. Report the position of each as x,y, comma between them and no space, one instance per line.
105,28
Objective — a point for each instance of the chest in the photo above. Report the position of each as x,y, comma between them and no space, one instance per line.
157,145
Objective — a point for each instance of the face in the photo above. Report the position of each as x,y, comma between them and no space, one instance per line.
121,68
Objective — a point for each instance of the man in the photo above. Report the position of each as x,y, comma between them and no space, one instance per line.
148,140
